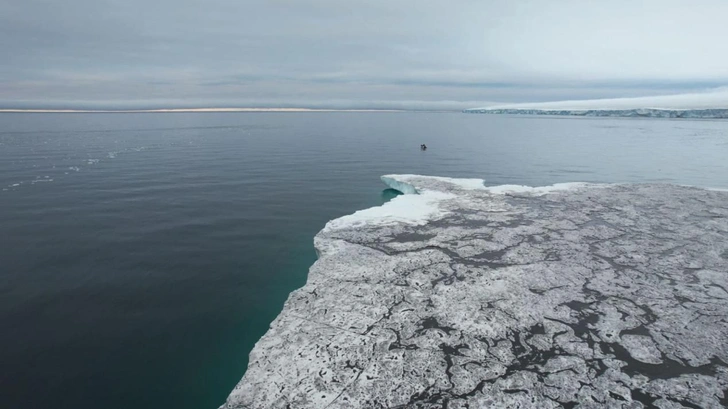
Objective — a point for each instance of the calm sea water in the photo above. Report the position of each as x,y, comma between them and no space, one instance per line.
142,255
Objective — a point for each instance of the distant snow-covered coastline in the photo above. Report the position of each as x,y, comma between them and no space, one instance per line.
711,104
719,113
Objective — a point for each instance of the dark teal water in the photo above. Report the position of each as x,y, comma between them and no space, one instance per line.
142,255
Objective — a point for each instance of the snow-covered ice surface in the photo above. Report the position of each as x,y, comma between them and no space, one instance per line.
569,296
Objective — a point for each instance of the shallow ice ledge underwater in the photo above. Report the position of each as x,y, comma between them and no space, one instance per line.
460,296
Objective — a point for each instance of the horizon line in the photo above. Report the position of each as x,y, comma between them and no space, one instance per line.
200,110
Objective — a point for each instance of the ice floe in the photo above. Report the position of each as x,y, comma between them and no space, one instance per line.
459,295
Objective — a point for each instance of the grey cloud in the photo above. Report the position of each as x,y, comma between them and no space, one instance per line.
110,53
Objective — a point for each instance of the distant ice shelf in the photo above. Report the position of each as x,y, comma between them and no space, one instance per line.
460,295
628,113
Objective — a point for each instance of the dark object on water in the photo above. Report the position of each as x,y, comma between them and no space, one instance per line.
423,147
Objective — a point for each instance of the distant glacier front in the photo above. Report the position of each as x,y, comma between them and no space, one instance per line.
710,104
626,113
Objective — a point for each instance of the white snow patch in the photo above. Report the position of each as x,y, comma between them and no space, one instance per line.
423,197
414,209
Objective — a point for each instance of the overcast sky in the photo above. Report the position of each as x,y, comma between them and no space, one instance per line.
351,53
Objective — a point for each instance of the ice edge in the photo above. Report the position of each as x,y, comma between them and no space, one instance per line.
419,190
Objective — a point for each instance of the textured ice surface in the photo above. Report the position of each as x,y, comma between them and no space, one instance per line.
570,296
